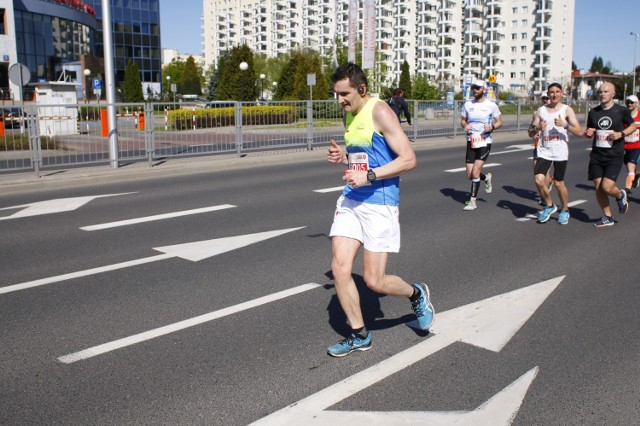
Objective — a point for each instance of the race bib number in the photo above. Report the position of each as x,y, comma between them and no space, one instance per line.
478,140
601,138
633,137
359,161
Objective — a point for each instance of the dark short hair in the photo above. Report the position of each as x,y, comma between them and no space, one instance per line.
397,92
554,84
354,73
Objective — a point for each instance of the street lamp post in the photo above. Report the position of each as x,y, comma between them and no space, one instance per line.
262,77
275,86
171,87
87,73
243,67
635,41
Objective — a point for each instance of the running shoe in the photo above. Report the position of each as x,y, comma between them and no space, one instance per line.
470,205
636,181
487,183
546,213
605,221
563,217
423,307
353,343
623,205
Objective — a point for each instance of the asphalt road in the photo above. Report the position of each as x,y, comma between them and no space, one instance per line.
230,331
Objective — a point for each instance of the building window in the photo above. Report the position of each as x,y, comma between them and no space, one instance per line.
3,27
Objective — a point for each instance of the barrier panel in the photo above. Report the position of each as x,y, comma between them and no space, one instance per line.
104,122
1,125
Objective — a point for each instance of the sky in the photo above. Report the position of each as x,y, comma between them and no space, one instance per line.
601,28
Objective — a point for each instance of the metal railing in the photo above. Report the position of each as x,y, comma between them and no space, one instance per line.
39,137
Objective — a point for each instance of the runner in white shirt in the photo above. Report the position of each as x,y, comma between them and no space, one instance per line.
478,115
555,120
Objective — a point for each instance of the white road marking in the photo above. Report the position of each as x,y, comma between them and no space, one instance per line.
488,324
325,190
54,206
462,169
155,217
530,216
194,251
191,322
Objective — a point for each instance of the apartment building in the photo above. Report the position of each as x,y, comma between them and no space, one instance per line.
523,43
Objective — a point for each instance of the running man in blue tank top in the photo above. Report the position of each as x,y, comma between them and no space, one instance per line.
377,153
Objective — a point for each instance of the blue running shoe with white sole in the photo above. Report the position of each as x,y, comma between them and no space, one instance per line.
423,307
353,343
605,221
546,213
563,217
623,202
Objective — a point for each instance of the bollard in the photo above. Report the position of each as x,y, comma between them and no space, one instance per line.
104,122
1,125
141,120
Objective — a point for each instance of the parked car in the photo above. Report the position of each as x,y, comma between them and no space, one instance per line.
13,116
220,104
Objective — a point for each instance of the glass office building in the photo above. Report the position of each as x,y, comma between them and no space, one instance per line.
136,35
43,35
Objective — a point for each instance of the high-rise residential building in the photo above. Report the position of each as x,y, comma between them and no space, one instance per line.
136,35
523,43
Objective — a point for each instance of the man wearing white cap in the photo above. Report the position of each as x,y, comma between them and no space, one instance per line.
478,115
632,145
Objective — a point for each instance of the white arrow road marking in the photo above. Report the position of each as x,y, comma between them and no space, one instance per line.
514,148
462,169
501,409
155,217
325,190
530,216
171,328
54,206
190,251
488,324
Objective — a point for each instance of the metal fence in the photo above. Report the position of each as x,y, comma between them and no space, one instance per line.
35,137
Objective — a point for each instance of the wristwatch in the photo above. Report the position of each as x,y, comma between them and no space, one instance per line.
371,175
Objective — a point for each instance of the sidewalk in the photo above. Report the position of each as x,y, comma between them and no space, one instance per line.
103,173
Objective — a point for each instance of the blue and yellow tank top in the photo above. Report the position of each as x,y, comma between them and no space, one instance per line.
368,149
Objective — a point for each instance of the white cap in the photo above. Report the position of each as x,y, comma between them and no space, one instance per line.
479,83
632,98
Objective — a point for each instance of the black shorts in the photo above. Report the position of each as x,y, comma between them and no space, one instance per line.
605,169
474,154
543,165
631,156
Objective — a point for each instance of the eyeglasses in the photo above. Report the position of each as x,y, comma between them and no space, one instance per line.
629,102
476,87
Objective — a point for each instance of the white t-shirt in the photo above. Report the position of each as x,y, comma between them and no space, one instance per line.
553,144
477,115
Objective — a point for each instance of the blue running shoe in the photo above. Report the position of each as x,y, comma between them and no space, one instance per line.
423,307
623,203
546,213
563,217
352,343
605,221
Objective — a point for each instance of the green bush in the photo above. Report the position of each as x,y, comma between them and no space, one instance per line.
21,143
182,119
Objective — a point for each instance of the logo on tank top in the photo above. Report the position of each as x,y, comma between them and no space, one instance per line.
604,123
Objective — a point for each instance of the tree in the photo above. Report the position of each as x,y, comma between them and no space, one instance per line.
234,84
423,90
174,71
132,88
189,81
405,80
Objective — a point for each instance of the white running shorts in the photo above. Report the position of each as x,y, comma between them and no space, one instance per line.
376,226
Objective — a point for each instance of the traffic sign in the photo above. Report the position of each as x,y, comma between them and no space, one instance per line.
492,78
19,74
97,84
